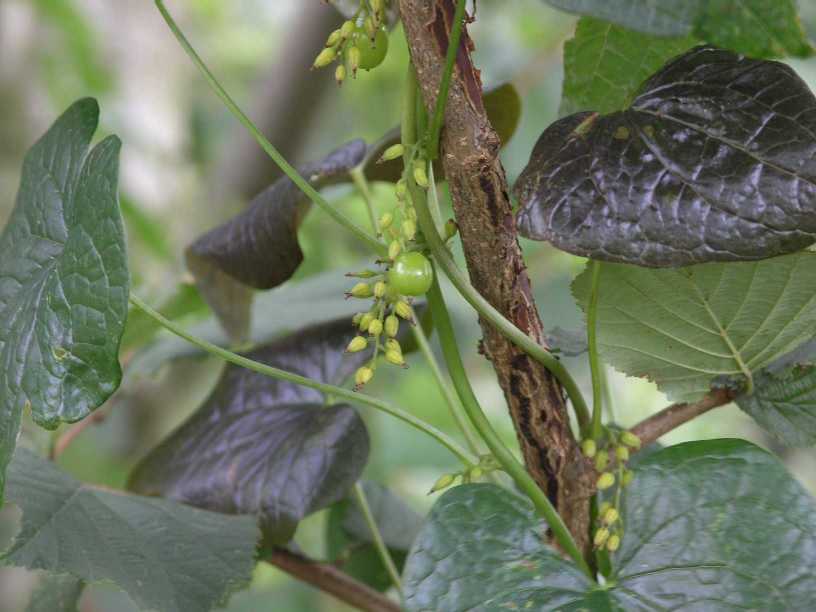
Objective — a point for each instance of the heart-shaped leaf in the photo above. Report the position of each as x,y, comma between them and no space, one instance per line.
264,446
63,280
714,161
349,542
166,556
258,248
682,328
709,525
755,27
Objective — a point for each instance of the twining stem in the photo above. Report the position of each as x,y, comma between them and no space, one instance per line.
379,544
467,458
435,127
267,146
594,360
358,177
454,406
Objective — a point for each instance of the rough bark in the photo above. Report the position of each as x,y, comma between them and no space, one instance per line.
478,187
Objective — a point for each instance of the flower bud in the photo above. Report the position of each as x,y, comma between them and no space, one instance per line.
347,29
393,152
362,376
610,516
379,289
443,482
613,543
451,229
394,249
622,453
475,473
603,508
370,27
325,57
403,310
589,448
375,328
601,461
357,344
601,536
630,439
605,480
400,189
394,357
391,325
420,178
386,220
354,57
334,38
340,74
361,290
365,321
393,345
363,274
355,320
628,476
409,229
412,214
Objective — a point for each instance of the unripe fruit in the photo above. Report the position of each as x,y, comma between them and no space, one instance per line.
411,274
372,49
357,344
393,152
589,448
325,57
363,375
375,328
391,325
630,439
613,543
605,480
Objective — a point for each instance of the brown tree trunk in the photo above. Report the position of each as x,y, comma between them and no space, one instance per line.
478,187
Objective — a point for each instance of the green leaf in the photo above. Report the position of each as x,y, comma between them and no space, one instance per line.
760,28
56,593
605,65
712,161
684,327
264,446
349,542
63,280
785,404
709,525
166,556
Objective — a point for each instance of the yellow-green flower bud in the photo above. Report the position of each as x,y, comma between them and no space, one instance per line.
363,274
347,29
394,357
589,448
379,289
412,214
366,321
401,189
622,453
476,473
403,310
386,220
393,152
420,178
370,27
451,229
443,482
393,345
601,536
378,6
605,480
603,508
613,543
357,344
354,56
355,320
391,325
601,461
610,516
628,476
363,375
334,38
361,290
340,74
409,229
630,439
325,57
394,249
375,328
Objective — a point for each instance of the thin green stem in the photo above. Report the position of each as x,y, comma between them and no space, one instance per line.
379,544
594,360
359,178
454,406
444,86
267,146
467,458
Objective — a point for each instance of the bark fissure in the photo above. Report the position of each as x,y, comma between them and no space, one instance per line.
487,227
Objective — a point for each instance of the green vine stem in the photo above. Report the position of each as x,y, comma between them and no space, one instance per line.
467,458
379,543
594,360
267,146
361,183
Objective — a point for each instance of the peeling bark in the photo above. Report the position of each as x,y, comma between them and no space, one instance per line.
487,227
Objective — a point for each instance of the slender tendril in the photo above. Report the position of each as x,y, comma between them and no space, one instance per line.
467,458
594,360
379,543
267,146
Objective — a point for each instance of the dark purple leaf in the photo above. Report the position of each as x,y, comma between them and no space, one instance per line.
715,160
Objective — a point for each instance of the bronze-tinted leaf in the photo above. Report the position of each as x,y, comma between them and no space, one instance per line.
258,248
714,161
267,447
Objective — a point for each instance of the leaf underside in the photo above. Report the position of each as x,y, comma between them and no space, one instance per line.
683,328
267,447
715,160
63,280
166,556
689,543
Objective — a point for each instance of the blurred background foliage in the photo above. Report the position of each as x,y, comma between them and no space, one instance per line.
187,165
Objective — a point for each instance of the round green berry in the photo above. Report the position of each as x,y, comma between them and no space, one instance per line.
411,274
372,52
